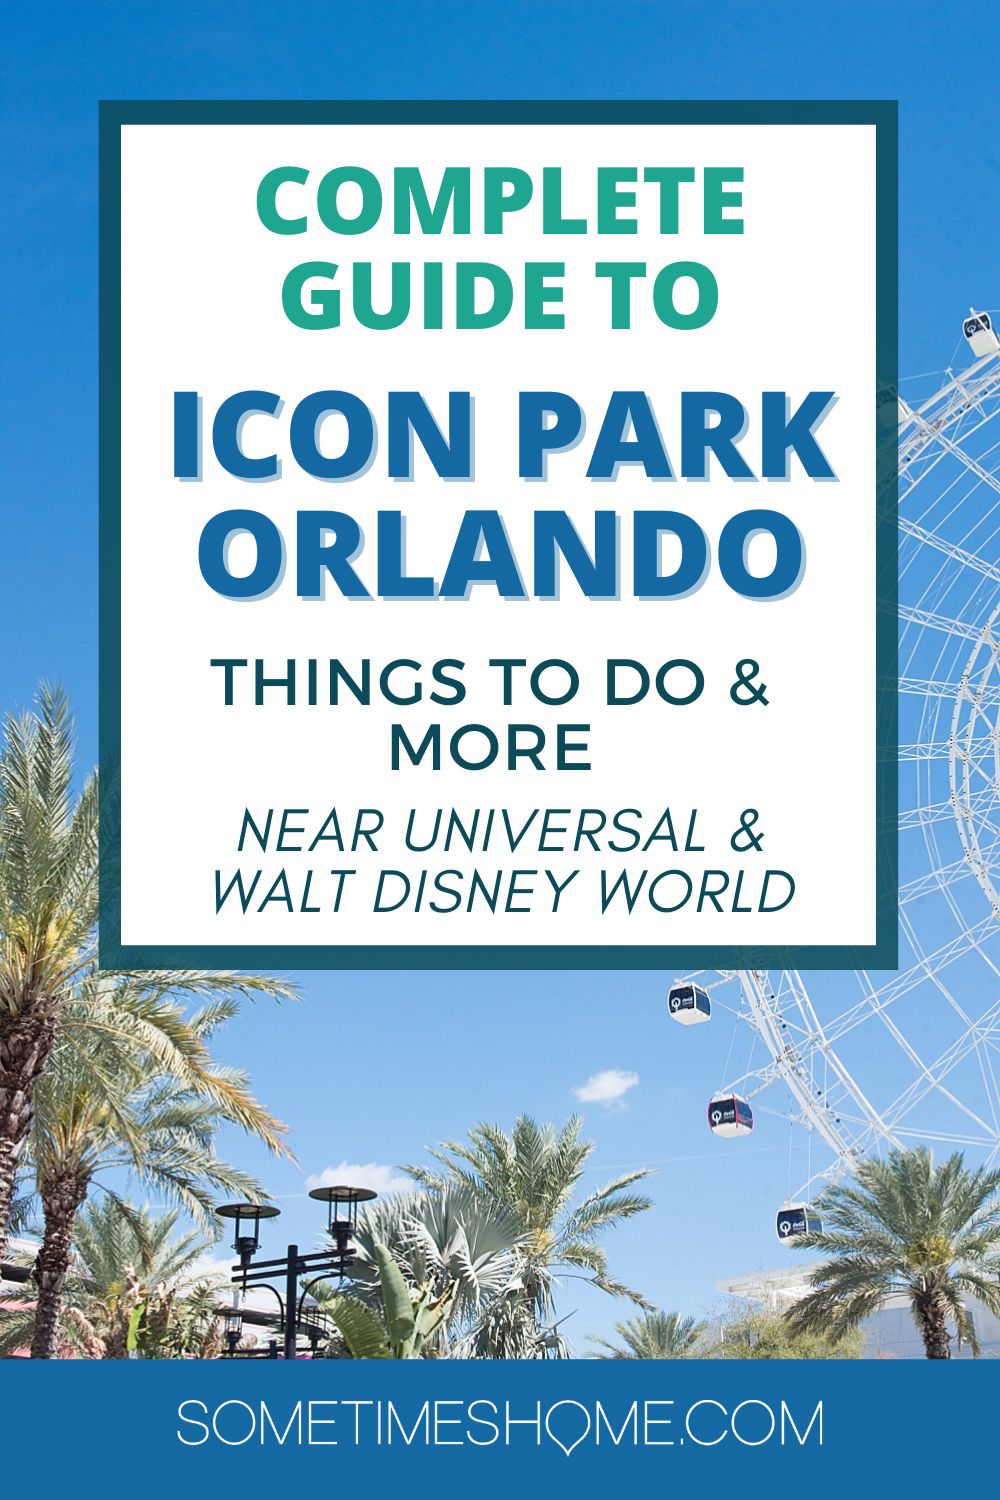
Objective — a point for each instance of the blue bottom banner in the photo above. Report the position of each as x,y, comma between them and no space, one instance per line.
685,1426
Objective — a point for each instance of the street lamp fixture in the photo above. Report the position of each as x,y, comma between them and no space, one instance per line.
233,1329
315,1327
342,1212
341,1222
246,1230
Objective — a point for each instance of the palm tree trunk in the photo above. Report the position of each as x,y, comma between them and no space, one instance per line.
61,1200
933,1326
26,1038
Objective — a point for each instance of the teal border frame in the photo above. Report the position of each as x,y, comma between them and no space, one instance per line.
883,115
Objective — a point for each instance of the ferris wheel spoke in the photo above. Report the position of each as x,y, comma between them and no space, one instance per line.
928,688
958,410
932,1078
985,1061
919,459
769,1005
975,1030
976,940
937,812
876,1001
958,395
950,549
939,750
923,885
944,1137
956,451
930,621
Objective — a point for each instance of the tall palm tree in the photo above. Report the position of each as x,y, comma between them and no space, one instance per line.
48,915
118,1250
907,1227
653,1335
103,1104
534,1172
48,907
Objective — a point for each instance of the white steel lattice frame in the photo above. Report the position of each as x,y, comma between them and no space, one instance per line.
949,525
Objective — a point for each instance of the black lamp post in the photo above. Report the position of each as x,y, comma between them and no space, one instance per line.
342,1221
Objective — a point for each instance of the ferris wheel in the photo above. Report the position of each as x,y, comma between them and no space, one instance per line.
867,1061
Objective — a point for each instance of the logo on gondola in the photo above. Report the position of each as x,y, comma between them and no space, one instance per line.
795,1223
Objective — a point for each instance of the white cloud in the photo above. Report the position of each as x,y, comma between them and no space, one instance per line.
212,1265
607,1087
371,1174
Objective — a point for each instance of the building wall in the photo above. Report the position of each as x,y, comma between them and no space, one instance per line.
889,1334
892,1334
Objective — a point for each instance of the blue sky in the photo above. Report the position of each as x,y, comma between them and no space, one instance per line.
370,1067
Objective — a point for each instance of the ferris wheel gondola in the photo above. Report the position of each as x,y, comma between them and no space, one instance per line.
795,1221
980,334
688,1004
729,1116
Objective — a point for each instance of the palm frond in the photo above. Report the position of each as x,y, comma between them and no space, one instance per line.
534,1173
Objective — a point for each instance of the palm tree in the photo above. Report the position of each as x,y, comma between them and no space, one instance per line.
653,1335
534,1173
104,1104
48,907
48,915
907,1228
452,1239
112,1236
124,1258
